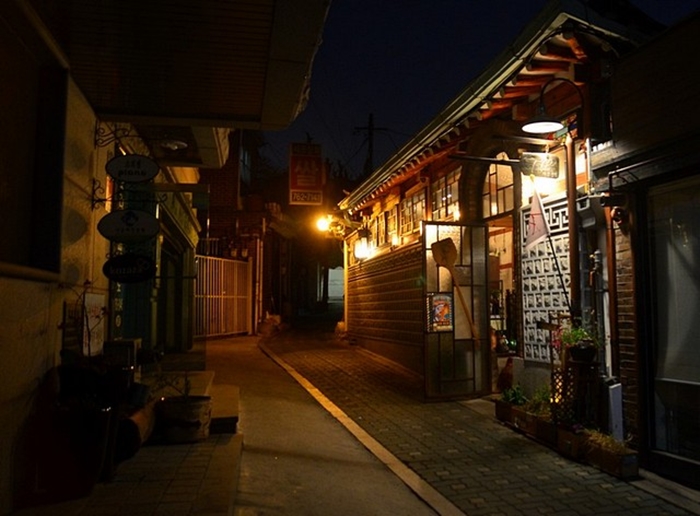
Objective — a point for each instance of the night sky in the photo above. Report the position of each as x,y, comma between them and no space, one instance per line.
403,61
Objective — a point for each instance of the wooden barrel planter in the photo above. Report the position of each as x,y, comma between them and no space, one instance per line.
184,419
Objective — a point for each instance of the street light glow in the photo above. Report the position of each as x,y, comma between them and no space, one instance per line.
323,223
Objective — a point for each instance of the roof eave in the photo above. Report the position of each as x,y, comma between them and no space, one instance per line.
555,14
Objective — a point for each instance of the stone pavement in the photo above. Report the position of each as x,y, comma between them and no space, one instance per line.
401,455
171,480
462,456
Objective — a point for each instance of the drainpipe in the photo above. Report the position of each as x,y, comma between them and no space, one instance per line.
346,263
574,261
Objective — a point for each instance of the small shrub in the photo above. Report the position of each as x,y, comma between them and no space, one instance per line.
514,395
606,441
540,402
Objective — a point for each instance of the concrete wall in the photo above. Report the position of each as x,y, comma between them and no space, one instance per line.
31,311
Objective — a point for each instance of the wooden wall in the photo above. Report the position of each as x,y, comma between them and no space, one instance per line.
386,308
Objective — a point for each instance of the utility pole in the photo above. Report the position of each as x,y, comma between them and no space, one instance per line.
369,162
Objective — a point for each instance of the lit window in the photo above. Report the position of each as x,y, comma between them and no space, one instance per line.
446,196
497,193
412,212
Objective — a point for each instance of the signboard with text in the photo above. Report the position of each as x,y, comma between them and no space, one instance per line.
128,226
306,174
132,168
539,164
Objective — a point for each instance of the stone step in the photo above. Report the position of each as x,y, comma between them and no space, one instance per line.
224,416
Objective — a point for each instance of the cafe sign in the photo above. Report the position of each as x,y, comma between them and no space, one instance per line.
128,226
129,268
132,168
539,164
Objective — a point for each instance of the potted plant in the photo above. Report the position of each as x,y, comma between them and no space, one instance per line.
181,417
571,441
608,454
576,343
513,396
540,406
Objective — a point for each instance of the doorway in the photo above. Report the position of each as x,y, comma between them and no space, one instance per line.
456,347
502,308
674,249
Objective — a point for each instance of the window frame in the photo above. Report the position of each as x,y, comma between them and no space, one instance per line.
36,166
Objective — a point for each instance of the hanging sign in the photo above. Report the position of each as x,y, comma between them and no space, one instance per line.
132,168
539,164
128,226
129,268
306,174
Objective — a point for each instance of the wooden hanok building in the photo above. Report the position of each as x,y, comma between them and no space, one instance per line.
470,176
617,187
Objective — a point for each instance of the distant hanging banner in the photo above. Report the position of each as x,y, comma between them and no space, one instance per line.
306,174
537,227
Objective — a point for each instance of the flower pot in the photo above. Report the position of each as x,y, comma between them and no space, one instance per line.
184,419
582,353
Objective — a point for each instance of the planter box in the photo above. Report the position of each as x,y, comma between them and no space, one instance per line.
624,466
570,445
504,411
547,432
524,421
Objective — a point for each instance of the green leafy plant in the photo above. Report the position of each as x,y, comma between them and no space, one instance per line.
514,395
539,403
569,336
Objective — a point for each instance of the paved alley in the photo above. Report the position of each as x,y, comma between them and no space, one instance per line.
457,448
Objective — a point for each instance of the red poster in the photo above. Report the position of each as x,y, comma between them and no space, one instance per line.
306,174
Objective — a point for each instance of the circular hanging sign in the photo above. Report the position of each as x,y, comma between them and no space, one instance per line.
132,168
129,268
128,226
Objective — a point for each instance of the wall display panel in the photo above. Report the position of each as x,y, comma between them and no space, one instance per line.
545,278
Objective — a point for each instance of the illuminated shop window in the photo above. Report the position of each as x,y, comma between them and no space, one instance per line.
497,194
446,196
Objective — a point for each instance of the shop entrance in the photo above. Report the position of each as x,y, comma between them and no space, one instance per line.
457,354
502,315
674,233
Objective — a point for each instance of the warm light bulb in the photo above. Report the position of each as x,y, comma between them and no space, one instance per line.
323,223
542,125
361,249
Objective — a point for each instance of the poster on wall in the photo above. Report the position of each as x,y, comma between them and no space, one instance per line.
440,312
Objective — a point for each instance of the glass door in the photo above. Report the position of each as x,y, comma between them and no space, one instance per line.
674,252
457,355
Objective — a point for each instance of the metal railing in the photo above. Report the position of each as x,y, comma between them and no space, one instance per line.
223,297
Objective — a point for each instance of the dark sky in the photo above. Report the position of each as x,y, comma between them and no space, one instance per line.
403,61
